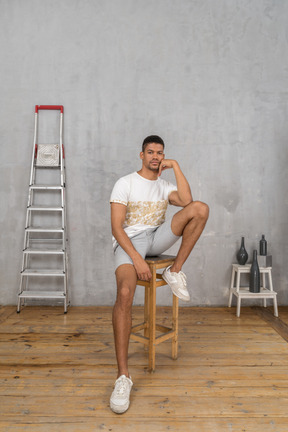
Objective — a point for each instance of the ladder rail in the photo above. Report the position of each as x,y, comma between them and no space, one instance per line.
61,151
32,173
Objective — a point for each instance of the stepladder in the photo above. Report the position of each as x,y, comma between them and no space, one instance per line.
44,270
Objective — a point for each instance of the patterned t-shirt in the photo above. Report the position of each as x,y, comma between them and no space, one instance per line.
146,201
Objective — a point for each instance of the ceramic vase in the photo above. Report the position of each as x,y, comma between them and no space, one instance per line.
263,246
254,282
242,255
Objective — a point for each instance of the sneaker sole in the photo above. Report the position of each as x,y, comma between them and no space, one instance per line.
119,410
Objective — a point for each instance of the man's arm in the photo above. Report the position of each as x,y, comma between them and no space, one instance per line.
118,214
182,196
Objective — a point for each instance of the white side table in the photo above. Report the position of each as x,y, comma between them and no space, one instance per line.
243,292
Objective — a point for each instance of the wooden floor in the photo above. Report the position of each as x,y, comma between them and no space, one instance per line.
57,372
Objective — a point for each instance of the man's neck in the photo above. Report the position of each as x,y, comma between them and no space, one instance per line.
148,174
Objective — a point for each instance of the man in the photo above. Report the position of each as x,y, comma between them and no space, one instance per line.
138,205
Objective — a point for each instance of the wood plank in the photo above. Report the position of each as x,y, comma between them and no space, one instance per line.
276,323
120,424
6,312
255,376
85,388
153,407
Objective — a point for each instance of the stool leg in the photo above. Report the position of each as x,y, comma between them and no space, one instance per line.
175,328
271,289
264,286
146,315
238,307
270,280
275,306
152,320
231,286
237,289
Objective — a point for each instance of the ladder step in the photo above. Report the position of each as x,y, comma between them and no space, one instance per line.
47,166
43,294
46,187
44,251
48,241
44,230
44,208
42,272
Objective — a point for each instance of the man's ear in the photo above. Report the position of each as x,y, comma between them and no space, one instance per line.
141,155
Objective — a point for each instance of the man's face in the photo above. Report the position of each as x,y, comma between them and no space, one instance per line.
152,156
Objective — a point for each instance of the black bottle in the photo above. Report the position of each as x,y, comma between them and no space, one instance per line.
263,246
254,282
242,255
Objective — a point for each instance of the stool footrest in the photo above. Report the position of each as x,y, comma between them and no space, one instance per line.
138,327
164,337
158,283
140,338
143,283
169,334
163,328
245,293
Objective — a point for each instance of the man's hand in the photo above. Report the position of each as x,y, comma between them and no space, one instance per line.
166,164
142,269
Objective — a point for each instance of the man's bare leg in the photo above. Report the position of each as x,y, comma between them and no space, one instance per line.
188,223
126,278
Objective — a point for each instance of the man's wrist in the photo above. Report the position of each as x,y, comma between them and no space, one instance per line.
175,165
136,256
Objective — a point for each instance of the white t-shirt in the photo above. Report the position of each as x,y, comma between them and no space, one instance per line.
146,201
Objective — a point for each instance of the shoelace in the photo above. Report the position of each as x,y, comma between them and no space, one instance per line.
182,276
121,386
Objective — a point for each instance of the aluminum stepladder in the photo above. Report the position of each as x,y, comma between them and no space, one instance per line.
45,243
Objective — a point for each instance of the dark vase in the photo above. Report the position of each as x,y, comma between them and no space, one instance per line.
242,255
263,246
254,283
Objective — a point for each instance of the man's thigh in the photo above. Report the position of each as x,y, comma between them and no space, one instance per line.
163,239
184,216
140,243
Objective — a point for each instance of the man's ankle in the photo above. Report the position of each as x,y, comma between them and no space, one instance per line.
123,373
175,269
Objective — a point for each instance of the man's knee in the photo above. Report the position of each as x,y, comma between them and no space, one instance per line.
126,285
125,294
199,210
202,209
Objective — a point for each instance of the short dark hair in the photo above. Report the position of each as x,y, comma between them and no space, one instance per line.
152,139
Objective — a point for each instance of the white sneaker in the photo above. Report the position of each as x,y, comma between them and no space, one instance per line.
177,283
120,398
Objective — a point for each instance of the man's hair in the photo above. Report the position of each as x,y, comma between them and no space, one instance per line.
152,139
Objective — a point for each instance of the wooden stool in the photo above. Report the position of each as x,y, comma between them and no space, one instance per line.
149,325
243,292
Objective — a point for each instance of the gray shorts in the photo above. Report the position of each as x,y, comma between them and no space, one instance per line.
151,242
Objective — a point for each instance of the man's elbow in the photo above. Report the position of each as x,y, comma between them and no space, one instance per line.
115,230
188,200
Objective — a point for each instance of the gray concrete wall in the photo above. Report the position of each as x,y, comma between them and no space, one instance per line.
210,77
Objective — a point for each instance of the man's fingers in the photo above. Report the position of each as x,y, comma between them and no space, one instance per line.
145,276
161,167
